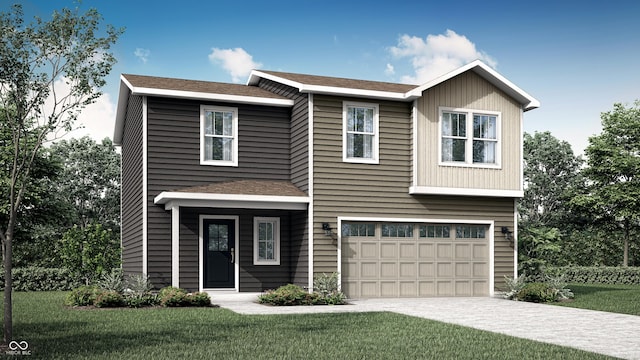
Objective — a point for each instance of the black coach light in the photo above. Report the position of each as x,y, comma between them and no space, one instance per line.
508,234
327,229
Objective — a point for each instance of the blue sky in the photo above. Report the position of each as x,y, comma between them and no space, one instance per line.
577,57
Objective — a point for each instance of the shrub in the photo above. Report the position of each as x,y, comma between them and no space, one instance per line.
197,299
141,301
112,280
109,298
598,274
172,296
82,296
514,285
536,292
138,292
335,298
326,286
288,295
35,278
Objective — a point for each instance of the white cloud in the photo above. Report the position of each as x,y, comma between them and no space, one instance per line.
235,61
390,70
142,54
436,55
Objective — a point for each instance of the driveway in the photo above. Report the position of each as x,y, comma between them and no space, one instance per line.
600,332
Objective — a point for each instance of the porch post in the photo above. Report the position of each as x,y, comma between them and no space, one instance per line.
175,245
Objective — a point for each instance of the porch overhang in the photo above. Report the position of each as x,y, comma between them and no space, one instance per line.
235,201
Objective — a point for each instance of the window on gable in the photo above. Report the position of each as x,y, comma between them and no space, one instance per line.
266,241
219,136
469,138
360,132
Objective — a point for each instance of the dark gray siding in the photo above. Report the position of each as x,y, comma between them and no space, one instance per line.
132,187
252,278
174,161
299,131
300,248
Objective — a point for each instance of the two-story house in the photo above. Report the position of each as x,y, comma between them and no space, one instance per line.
404,190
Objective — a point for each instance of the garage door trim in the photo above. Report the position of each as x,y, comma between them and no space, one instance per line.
489,223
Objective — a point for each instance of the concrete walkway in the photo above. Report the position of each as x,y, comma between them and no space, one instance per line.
595,331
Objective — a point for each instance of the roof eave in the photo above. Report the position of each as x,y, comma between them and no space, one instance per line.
121,111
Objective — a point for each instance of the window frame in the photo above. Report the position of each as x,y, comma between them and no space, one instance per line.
256,240
234,148
469,138
375,151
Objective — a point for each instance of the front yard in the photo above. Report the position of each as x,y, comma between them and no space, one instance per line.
623,299
55,332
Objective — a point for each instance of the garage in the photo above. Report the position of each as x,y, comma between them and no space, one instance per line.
385,259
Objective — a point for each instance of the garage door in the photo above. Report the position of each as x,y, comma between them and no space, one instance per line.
414,260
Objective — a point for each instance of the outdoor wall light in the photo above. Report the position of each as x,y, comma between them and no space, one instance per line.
328,231
508,234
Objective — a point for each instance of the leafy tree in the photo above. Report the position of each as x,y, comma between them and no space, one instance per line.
551,177
90,252
37,61
537,247
90,180
613,158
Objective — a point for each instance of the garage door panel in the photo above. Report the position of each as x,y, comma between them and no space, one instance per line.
388,250
426,251
416,266
407,251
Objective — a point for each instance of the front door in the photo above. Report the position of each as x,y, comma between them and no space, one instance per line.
219,253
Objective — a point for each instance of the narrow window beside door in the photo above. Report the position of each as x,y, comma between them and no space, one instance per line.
266,241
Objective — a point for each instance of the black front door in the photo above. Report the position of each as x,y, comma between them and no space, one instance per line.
219,257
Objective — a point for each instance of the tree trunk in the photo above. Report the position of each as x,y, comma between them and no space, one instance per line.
7,329
625,251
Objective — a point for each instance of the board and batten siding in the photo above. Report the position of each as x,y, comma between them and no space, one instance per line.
299,131
382,190
468,91
132,197
173,161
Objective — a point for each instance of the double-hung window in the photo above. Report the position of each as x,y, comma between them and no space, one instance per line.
469,138
360,133
266,241
218,136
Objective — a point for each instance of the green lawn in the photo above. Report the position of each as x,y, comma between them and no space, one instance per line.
623,299
56,332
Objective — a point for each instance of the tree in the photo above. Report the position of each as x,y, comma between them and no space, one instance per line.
90,181
551,177
37,61
90,251
613,159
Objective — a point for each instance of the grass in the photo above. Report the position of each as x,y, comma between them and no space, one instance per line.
56,332
623,299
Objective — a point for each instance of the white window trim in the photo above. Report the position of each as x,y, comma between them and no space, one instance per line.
276,250
376,136
234,150
469,139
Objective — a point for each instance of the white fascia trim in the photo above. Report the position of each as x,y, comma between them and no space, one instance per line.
167,196
490,75
310,213
490,223
121,111
175,246
236,220
329,90
209,96
414,144
435,190
144,187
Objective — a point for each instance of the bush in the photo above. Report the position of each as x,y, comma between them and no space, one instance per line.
598,274
138,292
201,299
536,292
82,296
141,301
326,286
41,279
172,296
514,286
288,295
109,298
112,281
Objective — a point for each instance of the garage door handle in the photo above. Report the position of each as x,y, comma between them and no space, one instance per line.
232,256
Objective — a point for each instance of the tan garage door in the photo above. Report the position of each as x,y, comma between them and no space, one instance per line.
414,260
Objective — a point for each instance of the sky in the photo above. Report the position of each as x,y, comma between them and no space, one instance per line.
577,58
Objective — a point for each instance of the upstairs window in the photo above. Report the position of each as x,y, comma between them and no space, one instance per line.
218,136
469,138
360,133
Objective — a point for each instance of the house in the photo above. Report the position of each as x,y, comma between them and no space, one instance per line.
404,190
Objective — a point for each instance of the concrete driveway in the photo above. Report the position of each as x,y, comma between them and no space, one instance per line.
600,332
